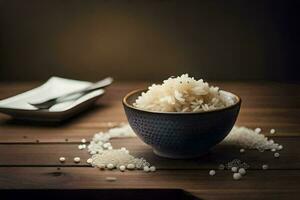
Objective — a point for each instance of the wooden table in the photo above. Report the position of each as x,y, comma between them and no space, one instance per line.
29,152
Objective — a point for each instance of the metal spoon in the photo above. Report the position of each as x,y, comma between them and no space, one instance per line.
73,95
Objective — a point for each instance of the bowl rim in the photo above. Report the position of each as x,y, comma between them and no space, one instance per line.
125,103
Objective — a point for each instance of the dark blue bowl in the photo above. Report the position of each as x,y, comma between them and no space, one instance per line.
181,135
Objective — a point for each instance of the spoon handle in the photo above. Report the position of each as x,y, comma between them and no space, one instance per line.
100,84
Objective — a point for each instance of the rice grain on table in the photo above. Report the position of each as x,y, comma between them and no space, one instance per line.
105,156
250,139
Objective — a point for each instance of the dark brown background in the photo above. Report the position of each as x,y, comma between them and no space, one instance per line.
136,40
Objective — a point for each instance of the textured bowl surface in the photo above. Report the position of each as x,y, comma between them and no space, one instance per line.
180,135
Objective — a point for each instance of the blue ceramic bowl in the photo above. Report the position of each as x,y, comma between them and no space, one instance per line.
181,135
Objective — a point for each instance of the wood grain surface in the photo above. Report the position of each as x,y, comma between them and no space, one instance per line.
29,152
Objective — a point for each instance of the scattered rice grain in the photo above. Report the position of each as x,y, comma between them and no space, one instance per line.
146,169
221,167
152,168
77,160
130,166
111,179
234,169
265,166
110,166
122,168
62,159
237,176
212,172
257,130
251,139
242,171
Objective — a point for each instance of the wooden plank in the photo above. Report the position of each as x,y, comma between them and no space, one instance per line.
147,194
88,178
283,102
115,112
246,194
48,154
286,122
29,134
244,87
271,95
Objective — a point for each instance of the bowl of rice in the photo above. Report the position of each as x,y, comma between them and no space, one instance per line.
182,117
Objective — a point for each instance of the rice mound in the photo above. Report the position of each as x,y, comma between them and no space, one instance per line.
182,94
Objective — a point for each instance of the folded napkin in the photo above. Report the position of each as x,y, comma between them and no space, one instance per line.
54,87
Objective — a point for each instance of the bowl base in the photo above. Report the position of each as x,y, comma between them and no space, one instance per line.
176,156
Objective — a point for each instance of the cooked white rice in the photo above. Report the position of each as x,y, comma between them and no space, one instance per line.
182,94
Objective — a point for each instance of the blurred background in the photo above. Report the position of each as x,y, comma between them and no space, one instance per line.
154,39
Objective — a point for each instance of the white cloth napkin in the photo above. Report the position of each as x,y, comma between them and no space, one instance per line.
54,87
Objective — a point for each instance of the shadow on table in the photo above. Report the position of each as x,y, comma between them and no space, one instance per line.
103,194
73,119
